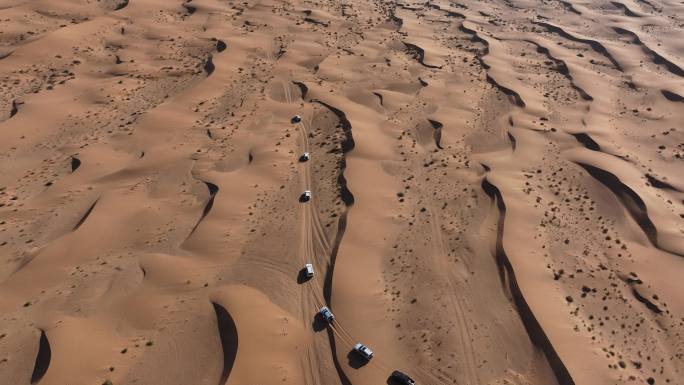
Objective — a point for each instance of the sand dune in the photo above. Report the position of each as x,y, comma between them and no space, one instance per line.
497,191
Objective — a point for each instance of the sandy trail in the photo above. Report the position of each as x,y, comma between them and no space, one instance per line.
497,191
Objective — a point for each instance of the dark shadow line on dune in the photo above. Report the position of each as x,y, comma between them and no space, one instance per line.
633,284
189,8
213,190
568,6
671,96
327,282
333,347
563,69
649,305
632,202
327,294
447,12
315,22
303,89
347,145
86,215
591,144
656,57
587,141
514,142
407,7
595,45
209,66
394,19
14,109
346,195
625,9
220,46
647,3
437,134
348,199
509,92
42,358
229,340
75,163
379,95
123,4
507,274
474,37
657,183
419,54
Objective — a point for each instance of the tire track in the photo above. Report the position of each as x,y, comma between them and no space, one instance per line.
348,199
307,253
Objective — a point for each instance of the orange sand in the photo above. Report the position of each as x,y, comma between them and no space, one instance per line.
498,195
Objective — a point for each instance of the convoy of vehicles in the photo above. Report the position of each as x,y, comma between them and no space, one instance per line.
362,350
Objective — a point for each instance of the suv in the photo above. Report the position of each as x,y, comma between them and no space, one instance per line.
402,378
327,314
305,197
305,157
308,270
364,351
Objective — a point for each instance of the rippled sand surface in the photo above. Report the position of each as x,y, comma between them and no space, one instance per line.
497,191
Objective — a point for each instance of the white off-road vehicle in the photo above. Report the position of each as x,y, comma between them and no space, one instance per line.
363,350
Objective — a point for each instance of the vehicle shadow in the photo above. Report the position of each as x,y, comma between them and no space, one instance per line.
355,360
301,276
319,323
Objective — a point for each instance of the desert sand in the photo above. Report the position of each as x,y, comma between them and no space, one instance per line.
497,191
